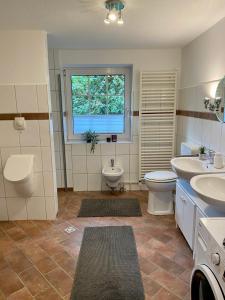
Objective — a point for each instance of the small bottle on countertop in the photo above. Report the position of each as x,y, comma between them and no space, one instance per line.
218,160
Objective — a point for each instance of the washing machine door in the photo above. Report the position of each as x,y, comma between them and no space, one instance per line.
204,285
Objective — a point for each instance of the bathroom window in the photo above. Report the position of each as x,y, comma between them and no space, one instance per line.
98,99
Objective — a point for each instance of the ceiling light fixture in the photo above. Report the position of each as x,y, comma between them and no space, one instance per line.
107,20
114,13
120,19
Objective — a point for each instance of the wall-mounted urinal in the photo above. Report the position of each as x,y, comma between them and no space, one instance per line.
19,172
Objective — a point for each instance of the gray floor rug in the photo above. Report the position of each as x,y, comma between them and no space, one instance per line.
107,267
110,208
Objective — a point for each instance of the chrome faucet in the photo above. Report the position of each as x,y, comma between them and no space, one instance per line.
112,162
211,155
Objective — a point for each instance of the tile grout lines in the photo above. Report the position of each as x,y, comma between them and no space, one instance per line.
161,265
34,266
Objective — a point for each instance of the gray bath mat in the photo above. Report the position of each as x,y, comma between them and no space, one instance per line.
110,208
107,267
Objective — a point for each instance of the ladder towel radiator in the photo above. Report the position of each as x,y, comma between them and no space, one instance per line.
157,116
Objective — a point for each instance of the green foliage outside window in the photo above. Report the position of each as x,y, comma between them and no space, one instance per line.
97,94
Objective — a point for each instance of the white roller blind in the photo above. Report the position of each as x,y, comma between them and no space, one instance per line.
157,114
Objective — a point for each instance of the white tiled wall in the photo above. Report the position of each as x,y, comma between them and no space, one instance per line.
35,139
87,167
210,134
56,110
84,168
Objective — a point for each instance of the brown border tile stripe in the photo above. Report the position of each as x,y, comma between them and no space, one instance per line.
194,114
69,189
45,116
197,114
27,116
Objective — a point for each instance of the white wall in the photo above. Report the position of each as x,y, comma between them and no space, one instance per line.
203,60
151,59
23,57
203,64
83,168
24,88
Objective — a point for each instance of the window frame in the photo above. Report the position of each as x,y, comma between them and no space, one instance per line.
125,70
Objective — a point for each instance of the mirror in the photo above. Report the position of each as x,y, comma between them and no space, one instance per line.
220,93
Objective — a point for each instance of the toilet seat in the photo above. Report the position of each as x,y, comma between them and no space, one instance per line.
161,176
18,167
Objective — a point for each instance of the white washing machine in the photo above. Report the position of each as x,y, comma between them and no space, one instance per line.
208,276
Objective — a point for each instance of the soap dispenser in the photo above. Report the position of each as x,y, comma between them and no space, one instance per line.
218,160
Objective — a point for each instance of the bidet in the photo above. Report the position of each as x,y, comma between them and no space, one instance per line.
112,175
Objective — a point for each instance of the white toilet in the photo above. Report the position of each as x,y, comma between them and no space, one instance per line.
162,184
19,172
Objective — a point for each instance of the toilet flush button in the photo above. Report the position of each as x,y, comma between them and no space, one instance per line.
19,123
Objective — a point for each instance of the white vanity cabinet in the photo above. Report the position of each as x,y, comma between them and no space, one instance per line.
185,215
199,215
189,208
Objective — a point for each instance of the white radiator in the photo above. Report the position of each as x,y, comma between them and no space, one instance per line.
157,112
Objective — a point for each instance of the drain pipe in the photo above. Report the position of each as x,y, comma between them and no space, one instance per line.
63,140
120,187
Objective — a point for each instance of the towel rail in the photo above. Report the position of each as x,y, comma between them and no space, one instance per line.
157,114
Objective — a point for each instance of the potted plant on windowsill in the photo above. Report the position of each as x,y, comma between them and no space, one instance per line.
91,138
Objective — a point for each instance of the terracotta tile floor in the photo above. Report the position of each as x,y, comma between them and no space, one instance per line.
38,258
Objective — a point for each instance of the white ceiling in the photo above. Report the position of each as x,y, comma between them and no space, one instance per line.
79,23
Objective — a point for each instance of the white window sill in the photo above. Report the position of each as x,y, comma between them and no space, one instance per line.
100,142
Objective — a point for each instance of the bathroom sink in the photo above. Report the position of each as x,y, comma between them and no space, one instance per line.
211,189
187,167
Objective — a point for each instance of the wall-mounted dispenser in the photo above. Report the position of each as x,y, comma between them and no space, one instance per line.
19,123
